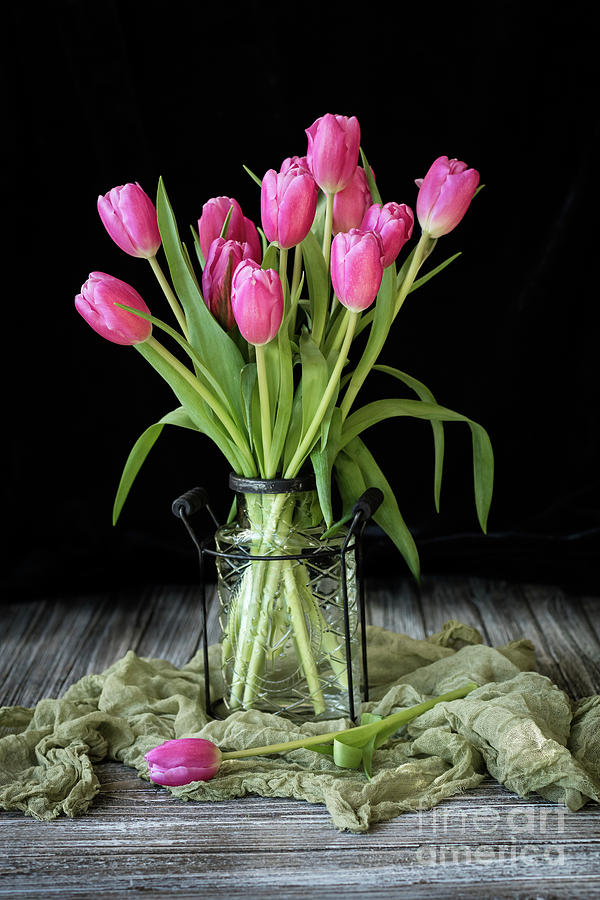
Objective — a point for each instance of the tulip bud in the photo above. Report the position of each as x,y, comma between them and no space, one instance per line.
257,302
350,204
333,145
182,761
393,223
223,258
210,225
288,203
294,162
129,216
445,195
96,303
356,268
253,240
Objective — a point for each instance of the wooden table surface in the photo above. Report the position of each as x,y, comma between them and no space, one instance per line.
138,840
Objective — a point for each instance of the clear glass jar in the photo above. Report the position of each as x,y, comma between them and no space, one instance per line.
285,636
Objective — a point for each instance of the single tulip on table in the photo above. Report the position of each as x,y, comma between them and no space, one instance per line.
272,374
185,760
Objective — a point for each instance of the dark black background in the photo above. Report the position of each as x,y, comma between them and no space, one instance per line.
102,94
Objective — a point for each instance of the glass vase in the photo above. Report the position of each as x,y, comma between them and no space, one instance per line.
290,646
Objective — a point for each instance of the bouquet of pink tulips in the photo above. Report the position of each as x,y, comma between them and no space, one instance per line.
278,348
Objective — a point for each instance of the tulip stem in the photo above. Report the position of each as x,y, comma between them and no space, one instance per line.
327,228
396,719
415,265
211,400
168,292
297,272
308,439
265,409
361,371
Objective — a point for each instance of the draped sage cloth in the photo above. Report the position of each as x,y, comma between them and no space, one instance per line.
517,726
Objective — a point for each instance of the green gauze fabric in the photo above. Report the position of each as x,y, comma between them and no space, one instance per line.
518,726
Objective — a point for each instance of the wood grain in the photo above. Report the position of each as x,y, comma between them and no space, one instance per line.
139,841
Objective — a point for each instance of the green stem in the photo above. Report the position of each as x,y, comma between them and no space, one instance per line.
169,294
396,719
360,373
211,400
297,272
308,439
413,269
327,228
283,258
265,409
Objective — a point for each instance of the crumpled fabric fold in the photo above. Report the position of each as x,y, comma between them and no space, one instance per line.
517,726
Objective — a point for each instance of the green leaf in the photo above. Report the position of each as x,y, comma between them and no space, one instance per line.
271,258
214,346
140,451
253,176
247,383
346,755
199,253
322,459
382,320
202,372
425,278
198,411
438,429
317,280
388,516
286,395
370,179
483,457
314,378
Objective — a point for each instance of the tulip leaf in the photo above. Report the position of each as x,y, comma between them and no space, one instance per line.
322,459
345,755
252,175
219,352
247,383
425,278
438,429
286,394
317,280
483,458
225,226
140,451
199,412
376,196
382,321
201,371
199,253
314,378
388,516
271,258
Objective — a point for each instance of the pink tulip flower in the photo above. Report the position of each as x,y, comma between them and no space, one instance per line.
96,303
129,216
182,761
444,195
294,162
288,203
223,258
240,228
257,302
356,267
350,204
333,145
393,222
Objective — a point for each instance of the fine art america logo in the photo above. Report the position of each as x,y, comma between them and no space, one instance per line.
491,835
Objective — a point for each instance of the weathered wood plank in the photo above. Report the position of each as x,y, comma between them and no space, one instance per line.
137,839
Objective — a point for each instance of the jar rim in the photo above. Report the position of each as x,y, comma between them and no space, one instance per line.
272,485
